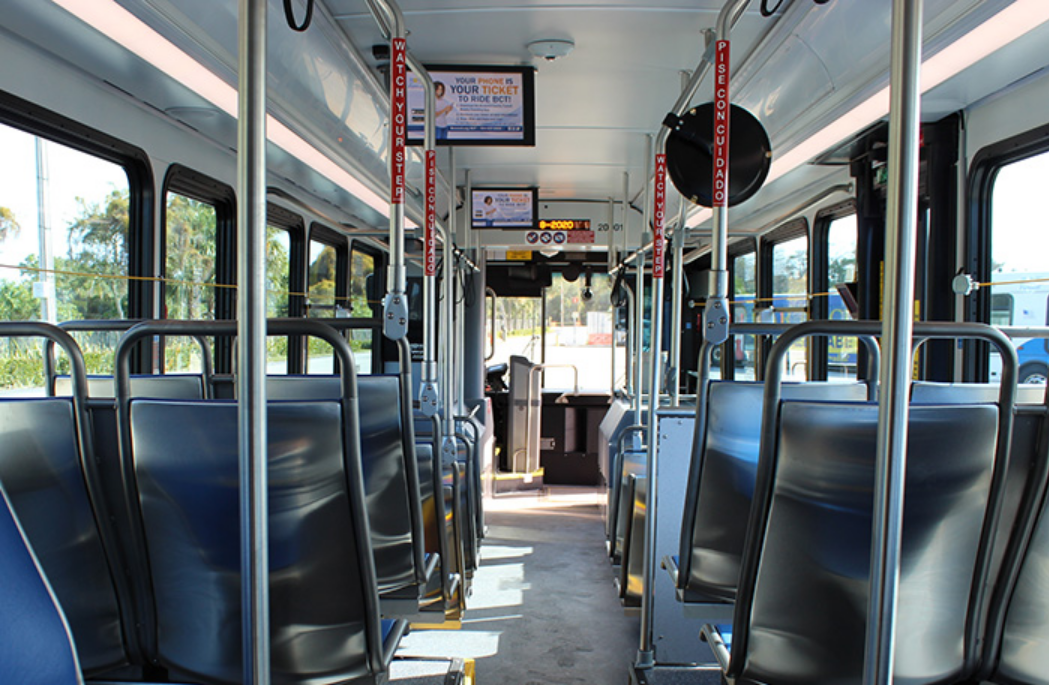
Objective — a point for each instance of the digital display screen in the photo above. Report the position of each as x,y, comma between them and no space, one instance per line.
503,208
476,106
564,224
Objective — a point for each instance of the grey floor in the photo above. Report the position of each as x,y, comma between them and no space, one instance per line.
543,609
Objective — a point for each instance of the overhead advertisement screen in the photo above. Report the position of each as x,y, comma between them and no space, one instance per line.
503,208
476,106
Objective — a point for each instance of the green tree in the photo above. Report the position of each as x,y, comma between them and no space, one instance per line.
17,303
190,259
97,246
322,281
842,269
278,272
9,226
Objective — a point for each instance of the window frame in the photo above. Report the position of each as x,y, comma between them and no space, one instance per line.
819,279
788,231
986,164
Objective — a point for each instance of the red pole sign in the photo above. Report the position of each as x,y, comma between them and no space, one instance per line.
430,230
721,123
658,239
398,119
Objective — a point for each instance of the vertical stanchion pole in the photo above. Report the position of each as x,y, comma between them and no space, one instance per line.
897,327
611,263
677,285
251,341
639,298
646,654
448,299
395,305
715,314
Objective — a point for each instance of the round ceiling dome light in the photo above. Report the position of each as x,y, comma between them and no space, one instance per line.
552,48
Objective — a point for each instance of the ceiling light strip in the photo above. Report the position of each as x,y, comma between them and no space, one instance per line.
129,31
1003,28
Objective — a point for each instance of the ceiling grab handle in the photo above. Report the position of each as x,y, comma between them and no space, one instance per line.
728,16
395,305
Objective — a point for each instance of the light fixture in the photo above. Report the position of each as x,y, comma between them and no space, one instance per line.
551,49
1003,28
129,31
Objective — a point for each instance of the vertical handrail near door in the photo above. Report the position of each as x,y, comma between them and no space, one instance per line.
727,18
395,305
897,327
386,15
251,340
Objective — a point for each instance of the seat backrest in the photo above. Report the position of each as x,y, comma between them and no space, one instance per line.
1024,653
171,386
389,457
44,472
933,392
801,609
631,463
324,617
35,643
616,421
386,481
1026,454
310,387
721,482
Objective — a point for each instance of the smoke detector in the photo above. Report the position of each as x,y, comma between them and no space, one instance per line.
551,49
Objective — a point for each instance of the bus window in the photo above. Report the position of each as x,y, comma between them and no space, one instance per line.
322,280
189,289
362,270
365,302
745,289
518,329
321,303
789,297
63,247
1019,278
1001,309
579,333
278,281
841,269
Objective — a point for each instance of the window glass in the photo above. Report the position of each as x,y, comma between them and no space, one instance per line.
790,268
189,288
1019,270
322,280
579,334
362,270
841,269
63,247
321,290
745,289
278,280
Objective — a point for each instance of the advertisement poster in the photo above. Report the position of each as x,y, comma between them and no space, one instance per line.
503,209
475,107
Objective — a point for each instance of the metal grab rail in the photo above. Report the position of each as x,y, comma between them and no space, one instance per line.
766,461
715,318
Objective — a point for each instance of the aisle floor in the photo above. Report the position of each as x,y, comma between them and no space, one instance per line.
543,608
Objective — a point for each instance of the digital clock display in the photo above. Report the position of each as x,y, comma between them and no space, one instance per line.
564,224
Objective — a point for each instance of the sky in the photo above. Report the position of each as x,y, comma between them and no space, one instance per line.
72,174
